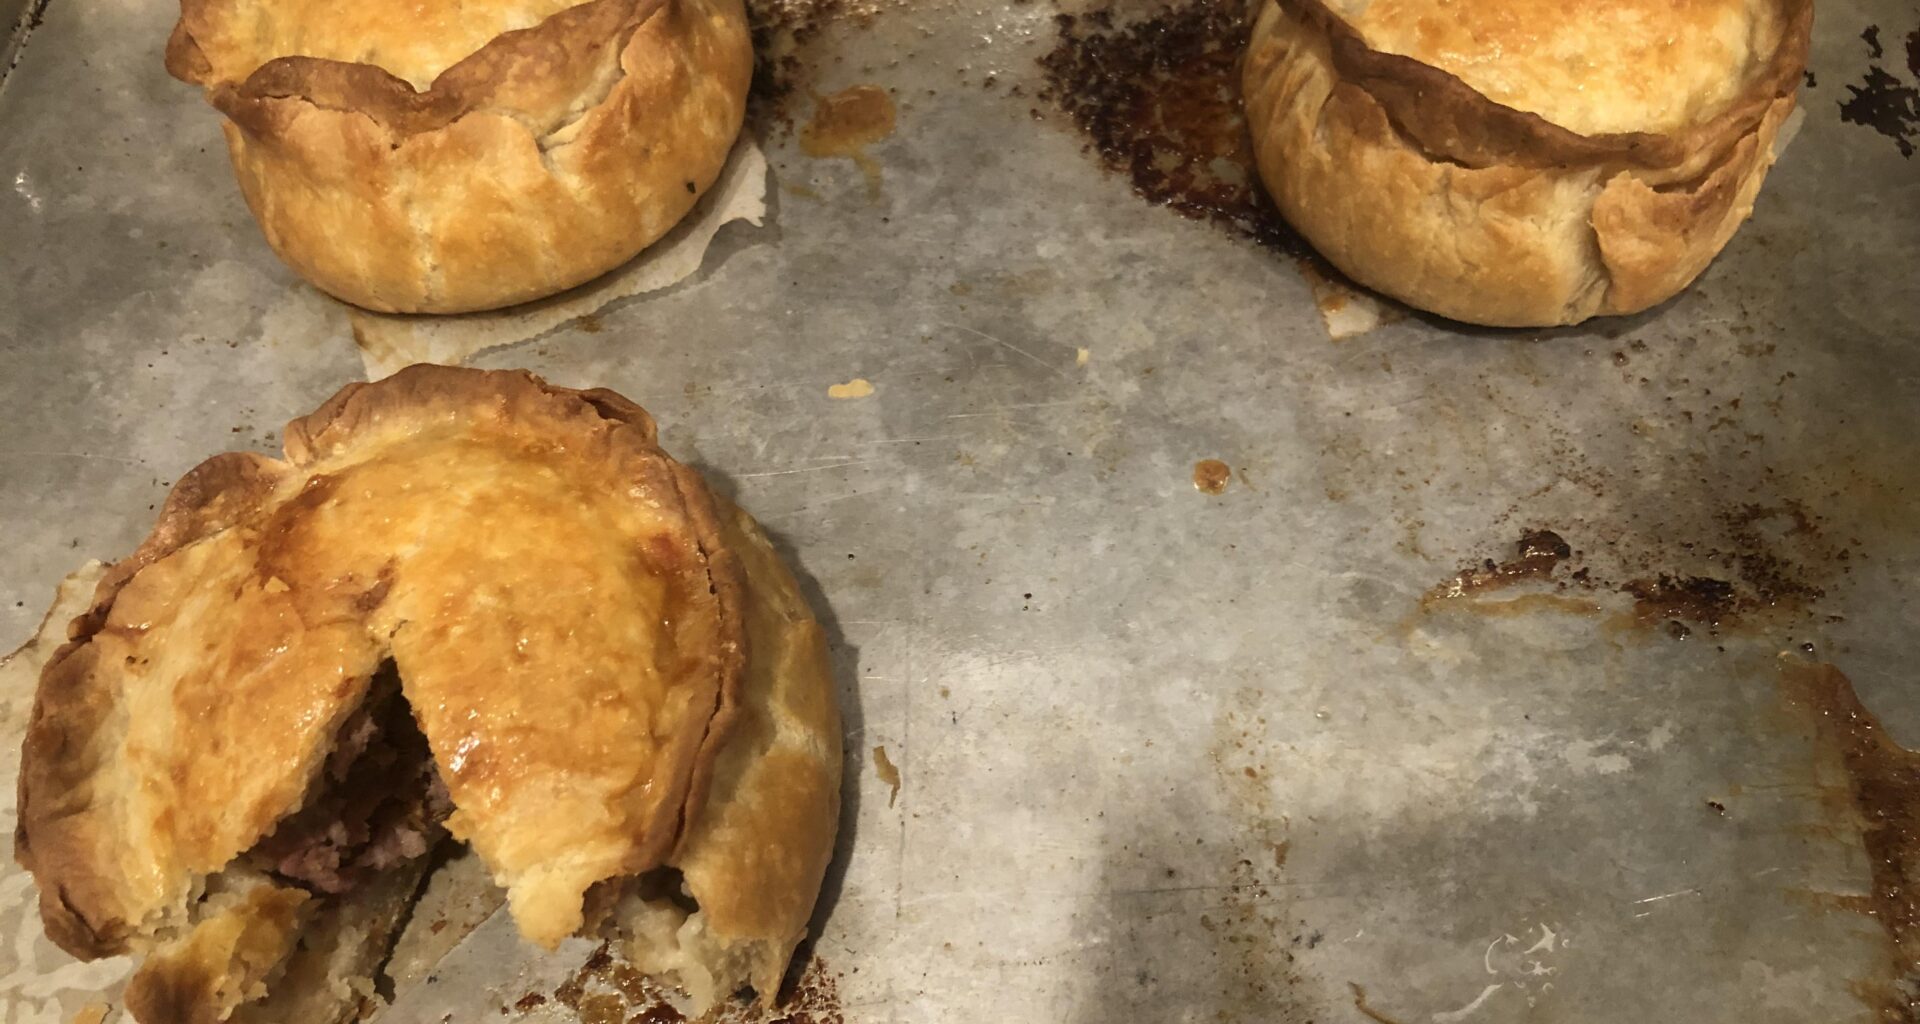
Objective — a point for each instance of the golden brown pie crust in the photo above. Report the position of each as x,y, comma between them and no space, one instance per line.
755,857
222,964
554,589
1420,187
197,694
545,158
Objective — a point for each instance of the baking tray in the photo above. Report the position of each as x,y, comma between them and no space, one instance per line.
1333,744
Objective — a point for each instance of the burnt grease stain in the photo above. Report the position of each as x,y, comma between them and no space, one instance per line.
812,998
1883,101
1883,780
1536,555
1159,101
602,1008
845,123
848,121
1211,476
1756,580
1226,950
574,989
781,30
1679,600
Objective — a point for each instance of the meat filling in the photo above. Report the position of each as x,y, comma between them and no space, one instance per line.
377,804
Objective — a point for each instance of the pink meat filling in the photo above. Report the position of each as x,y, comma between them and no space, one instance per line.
378,804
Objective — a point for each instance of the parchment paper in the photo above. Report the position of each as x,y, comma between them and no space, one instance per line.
389,342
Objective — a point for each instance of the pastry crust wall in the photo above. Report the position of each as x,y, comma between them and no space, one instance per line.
547,157
755,857
1418,186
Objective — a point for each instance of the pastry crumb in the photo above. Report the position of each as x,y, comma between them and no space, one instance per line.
889,773
1348,310
1081,355
858,387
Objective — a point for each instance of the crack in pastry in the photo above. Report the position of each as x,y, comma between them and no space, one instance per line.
378,802
458,156
1521,164
466,603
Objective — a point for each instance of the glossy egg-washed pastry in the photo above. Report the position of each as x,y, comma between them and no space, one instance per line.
1521,163
465,603
444,156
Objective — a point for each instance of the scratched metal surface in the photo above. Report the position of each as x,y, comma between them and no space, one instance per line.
1164,755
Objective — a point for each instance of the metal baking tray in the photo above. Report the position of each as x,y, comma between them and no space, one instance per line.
1351,739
